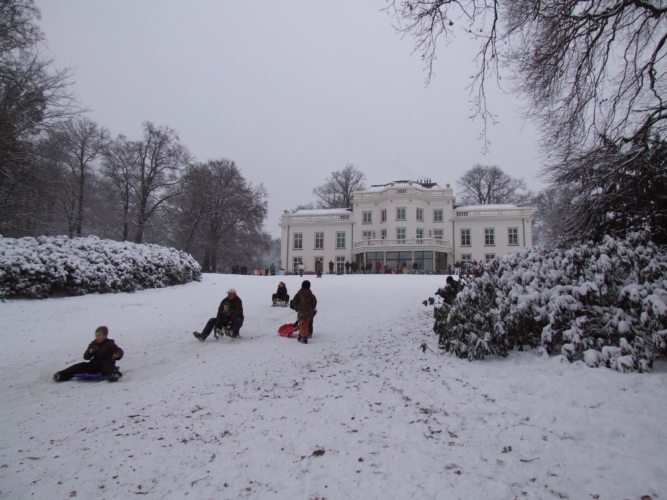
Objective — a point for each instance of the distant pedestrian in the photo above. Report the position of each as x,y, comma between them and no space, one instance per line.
301,269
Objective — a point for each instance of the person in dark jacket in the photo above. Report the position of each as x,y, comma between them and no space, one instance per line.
281,294
101,355
331,266
305,304
235,318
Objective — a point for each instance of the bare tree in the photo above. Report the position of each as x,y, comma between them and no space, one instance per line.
119,167
488,185
160,160
33,96
80,142
337,191
551,210
306,206
587,69
220,216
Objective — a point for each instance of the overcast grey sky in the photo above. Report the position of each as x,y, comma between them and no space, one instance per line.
291,90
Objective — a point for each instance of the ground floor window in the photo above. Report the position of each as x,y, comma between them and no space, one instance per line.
395,258
466,257
295,264
440,261
340,264
489,256
426,258
374,257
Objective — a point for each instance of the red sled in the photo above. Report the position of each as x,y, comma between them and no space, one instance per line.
287,330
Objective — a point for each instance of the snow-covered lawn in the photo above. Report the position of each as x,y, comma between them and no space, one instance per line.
242,418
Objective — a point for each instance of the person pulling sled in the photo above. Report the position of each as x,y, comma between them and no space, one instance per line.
305,304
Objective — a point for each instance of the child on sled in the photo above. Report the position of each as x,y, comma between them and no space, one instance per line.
101,355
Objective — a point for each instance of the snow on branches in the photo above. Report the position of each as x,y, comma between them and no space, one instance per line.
604,303
39,267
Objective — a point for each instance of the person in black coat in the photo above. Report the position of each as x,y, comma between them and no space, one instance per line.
235,319
101,355
281,293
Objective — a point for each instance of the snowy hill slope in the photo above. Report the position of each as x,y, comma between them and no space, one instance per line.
232,419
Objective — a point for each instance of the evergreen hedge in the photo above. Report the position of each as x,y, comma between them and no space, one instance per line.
604,303
40,267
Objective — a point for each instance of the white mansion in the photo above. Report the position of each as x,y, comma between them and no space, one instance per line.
403,221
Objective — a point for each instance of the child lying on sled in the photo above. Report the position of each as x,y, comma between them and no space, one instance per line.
101,354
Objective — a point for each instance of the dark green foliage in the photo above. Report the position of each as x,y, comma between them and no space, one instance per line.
603,301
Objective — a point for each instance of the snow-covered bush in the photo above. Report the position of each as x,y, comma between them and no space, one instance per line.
606,303
38,267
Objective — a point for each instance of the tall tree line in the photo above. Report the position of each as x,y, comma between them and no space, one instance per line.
62,173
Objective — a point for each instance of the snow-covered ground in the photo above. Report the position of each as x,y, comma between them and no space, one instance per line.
242,418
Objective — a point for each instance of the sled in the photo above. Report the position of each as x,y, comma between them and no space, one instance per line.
287,330
279,303
91,377
222,332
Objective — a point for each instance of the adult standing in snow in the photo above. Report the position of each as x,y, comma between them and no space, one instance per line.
305,304
347,267
378,266
235,320
457,266
272,268
331,266
301,269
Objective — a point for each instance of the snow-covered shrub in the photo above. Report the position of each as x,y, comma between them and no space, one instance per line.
610,298
38,267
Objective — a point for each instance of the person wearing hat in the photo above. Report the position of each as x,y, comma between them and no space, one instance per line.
305,303
234,317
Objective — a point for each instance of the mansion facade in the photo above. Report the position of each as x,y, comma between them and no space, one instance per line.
403,222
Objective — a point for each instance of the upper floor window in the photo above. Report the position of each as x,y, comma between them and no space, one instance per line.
437,215
420,214
400,233
437,234
383,233
490,237
420,233
368,217
513,236
298,241
367,235
319,241
400,213
465,237
340,239
383,215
